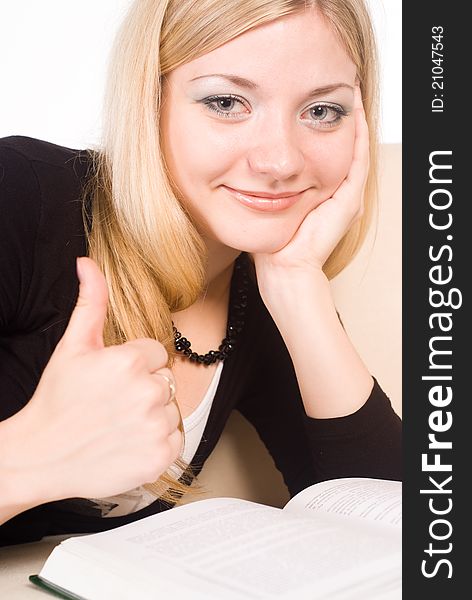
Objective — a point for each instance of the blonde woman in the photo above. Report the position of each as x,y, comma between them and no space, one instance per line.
235,178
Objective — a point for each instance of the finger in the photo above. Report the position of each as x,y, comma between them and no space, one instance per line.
152,352
85,328
360,157
350,193
166,381
176,442
173,416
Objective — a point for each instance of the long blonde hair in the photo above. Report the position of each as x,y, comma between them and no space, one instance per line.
149,249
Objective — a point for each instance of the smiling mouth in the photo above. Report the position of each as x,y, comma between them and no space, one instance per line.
273,203
266,195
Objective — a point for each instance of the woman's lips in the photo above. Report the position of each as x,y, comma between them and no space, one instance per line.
264,204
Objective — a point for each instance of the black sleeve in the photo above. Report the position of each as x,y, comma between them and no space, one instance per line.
20,208
306,450
41,234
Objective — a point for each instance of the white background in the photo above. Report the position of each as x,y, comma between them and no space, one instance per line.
53,63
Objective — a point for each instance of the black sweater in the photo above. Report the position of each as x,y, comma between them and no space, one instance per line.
41,234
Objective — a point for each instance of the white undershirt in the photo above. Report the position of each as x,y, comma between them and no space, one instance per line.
194,425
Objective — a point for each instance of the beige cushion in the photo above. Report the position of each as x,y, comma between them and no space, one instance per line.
368,297
368,293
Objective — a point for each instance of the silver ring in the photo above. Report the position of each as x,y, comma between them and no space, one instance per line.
172,389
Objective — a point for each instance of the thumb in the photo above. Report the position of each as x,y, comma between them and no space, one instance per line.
85,329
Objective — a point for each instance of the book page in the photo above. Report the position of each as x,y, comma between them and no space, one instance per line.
376,500
230,548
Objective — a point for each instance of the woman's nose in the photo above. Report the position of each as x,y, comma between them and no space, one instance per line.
275,152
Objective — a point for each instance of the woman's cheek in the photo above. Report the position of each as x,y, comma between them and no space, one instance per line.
211,152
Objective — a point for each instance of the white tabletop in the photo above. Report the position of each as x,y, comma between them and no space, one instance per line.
20,561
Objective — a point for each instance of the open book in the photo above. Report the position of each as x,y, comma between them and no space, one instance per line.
338,539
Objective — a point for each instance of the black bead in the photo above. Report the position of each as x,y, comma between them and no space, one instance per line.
236,316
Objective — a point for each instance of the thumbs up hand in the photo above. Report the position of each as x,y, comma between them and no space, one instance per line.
100,421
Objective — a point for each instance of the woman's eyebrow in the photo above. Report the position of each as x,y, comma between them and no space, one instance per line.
247,83
241,81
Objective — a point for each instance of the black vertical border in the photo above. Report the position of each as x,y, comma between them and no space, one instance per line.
424,132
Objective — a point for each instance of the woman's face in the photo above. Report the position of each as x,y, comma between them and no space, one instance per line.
268,112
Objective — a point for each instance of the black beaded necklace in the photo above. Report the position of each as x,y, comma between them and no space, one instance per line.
236,314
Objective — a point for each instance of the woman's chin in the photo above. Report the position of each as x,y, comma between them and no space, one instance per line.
260,246
255,241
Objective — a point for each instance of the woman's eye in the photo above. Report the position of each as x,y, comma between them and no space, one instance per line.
232,107
224,105
325,115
